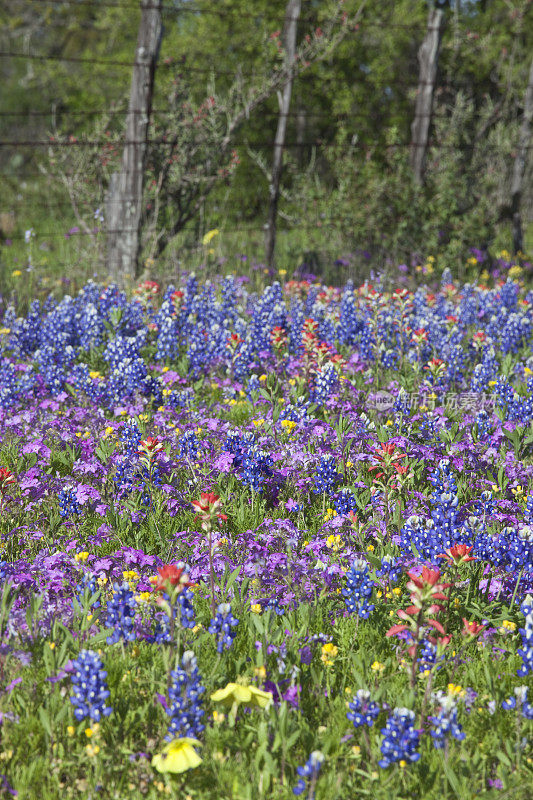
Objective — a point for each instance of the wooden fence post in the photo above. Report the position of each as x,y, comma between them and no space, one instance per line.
428,58
124,199
520,166
291,21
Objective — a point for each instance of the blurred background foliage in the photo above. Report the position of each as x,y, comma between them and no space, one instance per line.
347,194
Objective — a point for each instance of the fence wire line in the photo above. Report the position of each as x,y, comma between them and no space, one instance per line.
223,14
268,143
167,64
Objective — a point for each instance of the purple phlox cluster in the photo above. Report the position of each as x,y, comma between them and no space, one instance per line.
121,609
309,774
400,738
526,650
185,700
222,627
358,589
519,701
445,724
363,710
90,690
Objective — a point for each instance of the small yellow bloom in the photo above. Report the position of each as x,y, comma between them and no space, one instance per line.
16,273
377,666
143,597
209,236
288,424
292,382
396,591
262,377
102,580
403,764
94,374
329,654
507,625
260,672
4,331
334,543
234,694
454,690
282,272
52,645
71,730
92,750
255,608
218,717
258,422
349,464
370,548
356,750
528,371
83,556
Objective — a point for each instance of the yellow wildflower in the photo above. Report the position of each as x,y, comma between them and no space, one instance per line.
209,236
234,694
377,666
329,654
178,756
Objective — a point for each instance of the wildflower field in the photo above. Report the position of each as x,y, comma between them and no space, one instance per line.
259,544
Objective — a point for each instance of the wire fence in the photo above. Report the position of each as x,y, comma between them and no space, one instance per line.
71,117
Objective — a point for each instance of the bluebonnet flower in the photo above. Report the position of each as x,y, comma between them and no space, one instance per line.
324,383
87,589
401,739
519,701
222,627
358,589
326,475
427,655
189,445
445,723
390,568
185,694
68,503
256,465
344,502
363,710
526,651
184,605
90,688
121,609
309,772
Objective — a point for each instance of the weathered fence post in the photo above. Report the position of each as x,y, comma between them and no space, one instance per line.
520,165
291,20
427,57
124,199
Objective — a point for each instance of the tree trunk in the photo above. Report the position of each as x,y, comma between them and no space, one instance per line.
520,165
291,20
124,200
428,58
